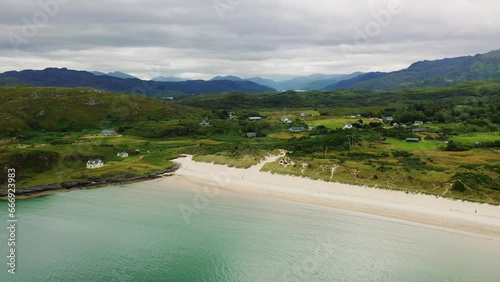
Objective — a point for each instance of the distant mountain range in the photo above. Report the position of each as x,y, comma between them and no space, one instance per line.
438,73
310,82
169,79
445,72
423,74
114,74
71,78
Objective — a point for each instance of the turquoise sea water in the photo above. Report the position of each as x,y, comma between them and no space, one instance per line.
138,232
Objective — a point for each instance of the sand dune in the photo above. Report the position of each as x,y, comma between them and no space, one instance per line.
474,218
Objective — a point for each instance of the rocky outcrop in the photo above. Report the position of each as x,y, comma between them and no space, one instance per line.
26,191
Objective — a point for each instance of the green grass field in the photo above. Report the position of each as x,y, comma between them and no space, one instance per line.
286,135
472,138
331,123
43,163
411,147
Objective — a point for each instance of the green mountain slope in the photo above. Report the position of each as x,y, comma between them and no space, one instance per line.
471,91
438,73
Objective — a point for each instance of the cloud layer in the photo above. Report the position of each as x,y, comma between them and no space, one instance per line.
277,39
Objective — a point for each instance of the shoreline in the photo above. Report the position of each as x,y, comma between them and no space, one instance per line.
471,218
456,215
48,189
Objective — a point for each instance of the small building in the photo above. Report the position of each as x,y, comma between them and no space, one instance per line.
418,123
286,120
419,130
122,155
396,125
251,134
412,140
108,132
347,126
205,123
95,163
297,129
254,118
303,114
387,119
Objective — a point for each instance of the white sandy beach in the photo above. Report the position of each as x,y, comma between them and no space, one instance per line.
425,209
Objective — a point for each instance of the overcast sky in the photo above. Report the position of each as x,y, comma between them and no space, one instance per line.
273,39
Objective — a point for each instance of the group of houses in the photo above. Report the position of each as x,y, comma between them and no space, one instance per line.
394,124
97,163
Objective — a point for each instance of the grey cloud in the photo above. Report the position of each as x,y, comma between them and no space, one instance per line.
268,38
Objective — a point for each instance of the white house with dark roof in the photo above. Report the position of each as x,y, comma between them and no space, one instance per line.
296,129
412,140
108,132
205,123
347,126
420,130
122,155
95,163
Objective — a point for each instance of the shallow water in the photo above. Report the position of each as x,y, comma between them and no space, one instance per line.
142,232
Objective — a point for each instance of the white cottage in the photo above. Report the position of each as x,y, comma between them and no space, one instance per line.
122,155
95,163
204,123
347,126
109,132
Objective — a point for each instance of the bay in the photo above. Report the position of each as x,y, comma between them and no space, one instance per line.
155,232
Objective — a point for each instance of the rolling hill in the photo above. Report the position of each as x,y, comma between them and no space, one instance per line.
75,109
